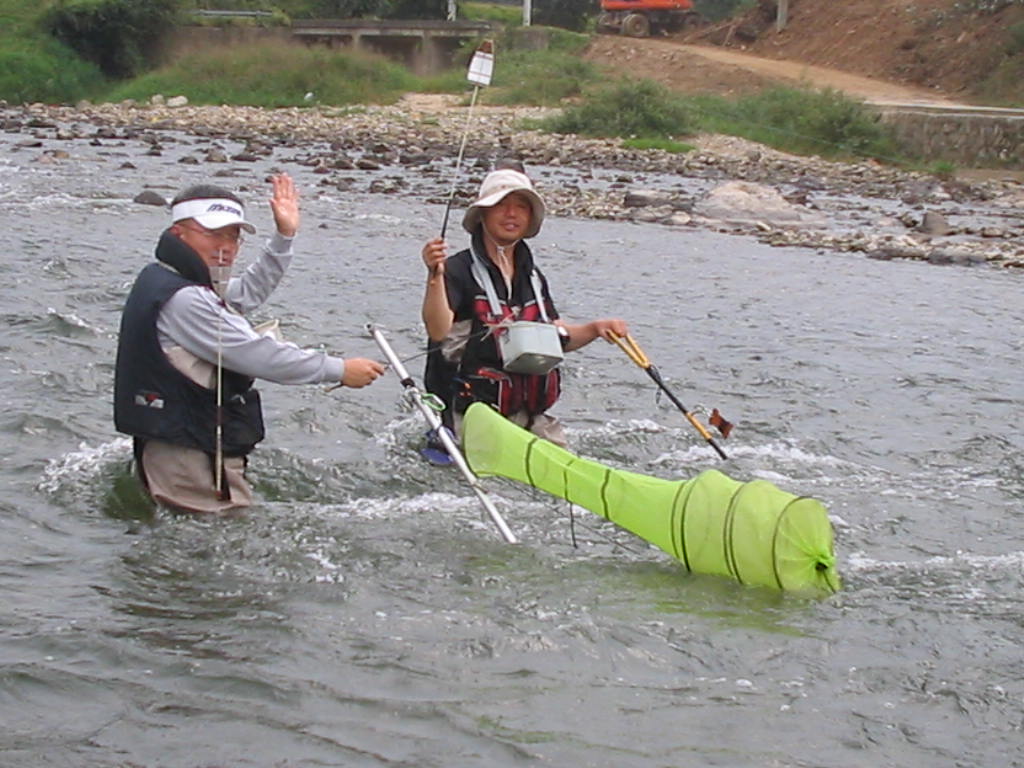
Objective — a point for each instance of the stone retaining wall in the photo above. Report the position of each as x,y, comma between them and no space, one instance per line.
975,137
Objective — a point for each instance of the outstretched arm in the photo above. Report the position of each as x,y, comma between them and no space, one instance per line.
583,334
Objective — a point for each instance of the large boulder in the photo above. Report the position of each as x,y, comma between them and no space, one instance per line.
744,203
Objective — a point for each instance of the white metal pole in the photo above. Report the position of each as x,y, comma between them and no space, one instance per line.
481,67
527,12
458,163
451,10
416,398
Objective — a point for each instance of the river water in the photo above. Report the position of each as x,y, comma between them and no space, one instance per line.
366,614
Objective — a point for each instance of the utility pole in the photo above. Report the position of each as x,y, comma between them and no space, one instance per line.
527,12
451,10
782,15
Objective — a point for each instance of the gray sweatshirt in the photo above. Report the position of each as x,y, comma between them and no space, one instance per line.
195,321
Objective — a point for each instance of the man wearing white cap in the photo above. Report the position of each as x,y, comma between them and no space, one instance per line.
495,282
187,357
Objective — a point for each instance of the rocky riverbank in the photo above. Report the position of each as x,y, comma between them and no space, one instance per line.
726,183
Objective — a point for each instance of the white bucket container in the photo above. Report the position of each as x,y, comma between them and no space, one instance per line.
527,347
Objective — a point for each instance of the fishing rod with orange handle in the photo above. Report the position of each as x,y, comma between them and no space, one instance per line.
633,351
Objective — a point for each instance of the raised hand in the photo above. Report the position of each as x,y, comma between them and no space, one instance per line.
285,205
434,254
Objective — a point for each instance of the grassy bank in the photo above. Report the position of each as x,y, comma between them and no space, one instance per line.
34,66
541,66
535,66
824,123
275,75
801,121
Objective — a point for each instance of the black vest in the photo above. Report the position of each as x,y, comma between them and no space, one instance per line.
479,376
152,398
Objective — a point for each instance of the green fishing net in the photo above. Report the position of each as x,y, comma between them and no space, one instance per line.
753,532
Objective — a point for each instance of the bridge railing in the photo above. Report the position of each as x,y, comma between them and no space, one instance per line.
210,14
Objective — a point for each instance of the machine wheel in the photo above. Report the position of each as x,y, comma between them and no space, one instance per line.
636,25
692,20
606,23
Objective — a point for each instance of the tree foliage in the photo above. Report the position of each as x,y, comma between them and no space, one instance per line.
384,9
569,14
714,10
118,36
417,9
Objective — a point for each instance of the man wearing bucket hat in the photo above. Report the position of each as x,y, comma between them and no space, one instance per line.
477,301
187,358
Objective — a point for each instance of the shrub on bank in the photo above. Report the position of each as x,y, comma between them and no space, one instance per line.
822,122
631,108
665,145
34,66
1003,86
43,70
825,123
118,36
539,65
539,77
501,14
275,75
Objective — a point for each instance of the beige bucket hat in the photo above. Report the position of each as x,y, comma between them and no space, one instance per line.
495,186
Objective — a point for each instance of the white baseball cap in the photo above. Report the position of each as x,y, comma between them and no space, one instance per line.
494,188
212,213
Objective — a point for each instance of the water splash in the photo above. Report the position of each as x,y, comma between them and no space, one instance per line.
79,469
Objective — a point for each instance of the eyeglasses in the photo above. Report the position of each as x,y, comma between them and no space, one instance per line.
235,238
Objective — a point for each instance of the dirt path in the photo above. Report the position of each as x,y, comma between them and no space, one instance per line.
865,88
700,68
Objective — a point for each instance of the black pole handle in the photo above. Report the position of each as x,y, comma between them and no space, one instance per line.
653,373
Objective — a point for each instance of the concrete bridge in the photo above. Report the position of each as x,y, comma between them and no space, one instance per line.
425,47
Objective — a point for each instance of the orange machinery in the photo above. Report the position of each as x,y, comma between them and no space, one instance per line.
640,18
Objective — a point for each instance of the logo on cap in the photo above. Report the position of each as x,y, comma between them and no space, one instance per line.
214,207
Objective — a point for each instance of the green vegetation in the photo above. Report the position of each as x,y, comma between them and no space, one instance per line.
339,9
118,36
576,15
640,109
275,75
41,69
274,18
984,6
1015,39
716,10
942,169
537,65
665,145
540,77
501,14
824,123
36,67
540,65
803,121
1002,86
